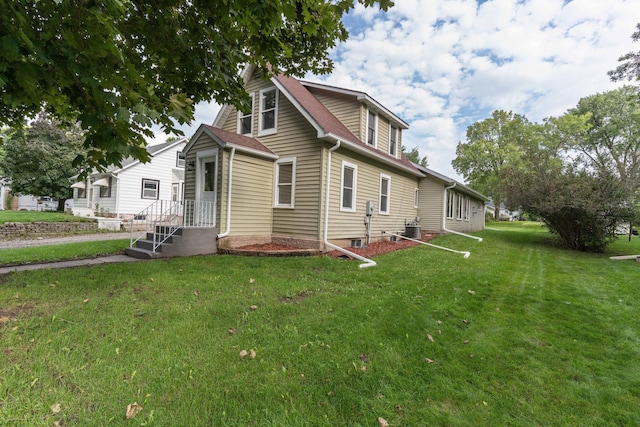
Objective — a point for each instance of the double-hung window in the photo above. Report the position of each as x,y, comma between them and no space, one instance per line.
416,199
467,209
268,119
106,191
393,141
180,159
348,187
372,128
150,188
459,208
245,120
285,182
385,191
450,204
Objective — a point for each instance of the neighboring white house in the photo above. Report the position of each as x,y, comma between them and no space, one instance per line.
122,192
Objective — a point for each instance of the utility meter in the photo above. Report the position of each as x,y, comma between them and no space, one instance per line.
369,208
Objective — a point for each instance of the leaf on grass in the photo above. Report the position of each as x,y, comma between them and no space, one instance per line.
196,292
254,307
232,331
4,319
426,359
471,292
252,354
55,408
363,368
466,341
86,300
151,279
430,338
382,422
438,321
132,410
364,358
252,280
243,354
465,321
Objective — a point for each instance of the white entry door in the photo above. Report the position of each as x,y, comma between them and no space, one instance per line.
208,182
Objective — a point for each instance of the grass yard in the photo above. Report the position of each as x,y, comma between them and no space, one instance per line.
520,333
36,216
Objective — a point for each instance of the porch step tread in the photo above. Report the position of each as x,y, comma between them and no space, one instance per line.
141,253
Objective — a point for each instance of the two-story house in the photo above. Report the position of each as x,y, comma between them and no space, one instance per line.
314,166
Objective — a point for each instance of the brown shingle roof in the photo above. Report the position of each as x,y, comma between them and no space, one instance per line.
237,139
329,124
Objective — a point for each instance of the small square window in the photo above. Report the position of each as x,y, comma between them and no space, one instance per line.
180,159
150,189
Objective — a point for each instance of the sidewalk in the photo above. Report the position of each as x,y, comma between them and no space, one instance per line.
9,244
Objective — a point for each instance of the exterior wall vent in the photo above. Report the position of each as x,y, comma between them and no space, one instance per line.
393,238
356,243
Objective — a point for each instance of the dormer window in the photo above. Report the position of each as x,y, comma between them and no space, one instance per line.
393,141
372,129
268,118
245,121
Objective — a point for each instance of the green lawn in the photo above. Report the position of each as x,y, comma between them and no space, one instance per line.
67,251
35,216
520,333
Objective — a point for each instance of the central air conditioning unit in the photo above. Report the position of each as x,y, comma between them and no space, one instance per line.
356,243
412,230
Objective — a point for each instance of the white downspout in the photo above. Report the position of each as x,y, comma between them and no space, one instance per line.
444,216
366,261
465,253
230,181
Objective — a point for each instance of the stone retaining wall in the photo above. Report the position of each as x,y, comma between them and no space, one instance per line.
10,229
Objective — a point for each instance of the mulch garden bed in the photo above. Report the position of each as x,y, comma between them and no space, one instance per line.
371,250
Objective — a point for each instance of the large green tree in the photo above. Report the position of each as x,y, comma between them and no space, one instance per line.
38,159
120,66
414,156
491,145
629,69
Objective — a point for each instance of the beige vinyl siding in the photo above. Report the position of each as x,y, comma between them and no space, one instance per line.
252,193
383,134
348,225
431,193
475,222
346,108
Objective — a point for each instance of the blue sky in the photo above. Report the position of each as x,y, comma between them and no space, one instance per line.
442,65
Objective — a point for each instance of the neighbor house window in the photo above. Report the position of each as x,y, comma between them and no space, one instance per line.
348,187
150,188
285,182
175,191
180,159
459,206
393,141
385,189
245,120
372,128
416,198
106,191
268,111
450,204
82,193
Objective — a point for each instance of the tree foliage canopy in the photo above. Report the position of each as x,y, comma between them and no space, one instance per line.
414,156
491,145
120,66
629,69
38,158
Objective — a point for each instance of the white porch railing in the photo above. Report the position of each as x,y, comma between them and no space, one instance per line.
164,217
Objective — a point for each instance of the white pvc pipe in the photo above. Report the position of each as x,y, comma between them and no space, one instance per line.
444,216
230,181
465,253
367,262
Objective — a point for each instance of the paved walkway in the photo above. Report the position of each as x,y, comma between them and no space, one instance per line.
9,244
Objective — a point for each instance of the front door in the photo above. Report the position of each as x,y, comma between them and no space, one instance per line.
206,211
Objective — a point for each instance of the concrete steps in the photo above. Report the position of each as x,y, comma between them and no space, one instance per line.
185,242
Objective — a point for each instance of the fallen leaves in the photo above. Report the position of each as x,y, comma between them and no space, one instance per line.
426,359
430,338
55,408
253,307
382,422
251,353
132,410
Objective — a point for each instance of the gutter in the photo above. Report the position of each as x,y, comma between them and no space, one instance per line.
230,181
444,216
366,262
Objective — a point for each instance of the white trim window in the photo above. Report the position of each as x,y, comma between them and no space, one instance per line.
393,140
180,159
450,204
268,116
385,194
285,190
467,209
245,120
416,197
372,128
459,206
348,187
150,189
